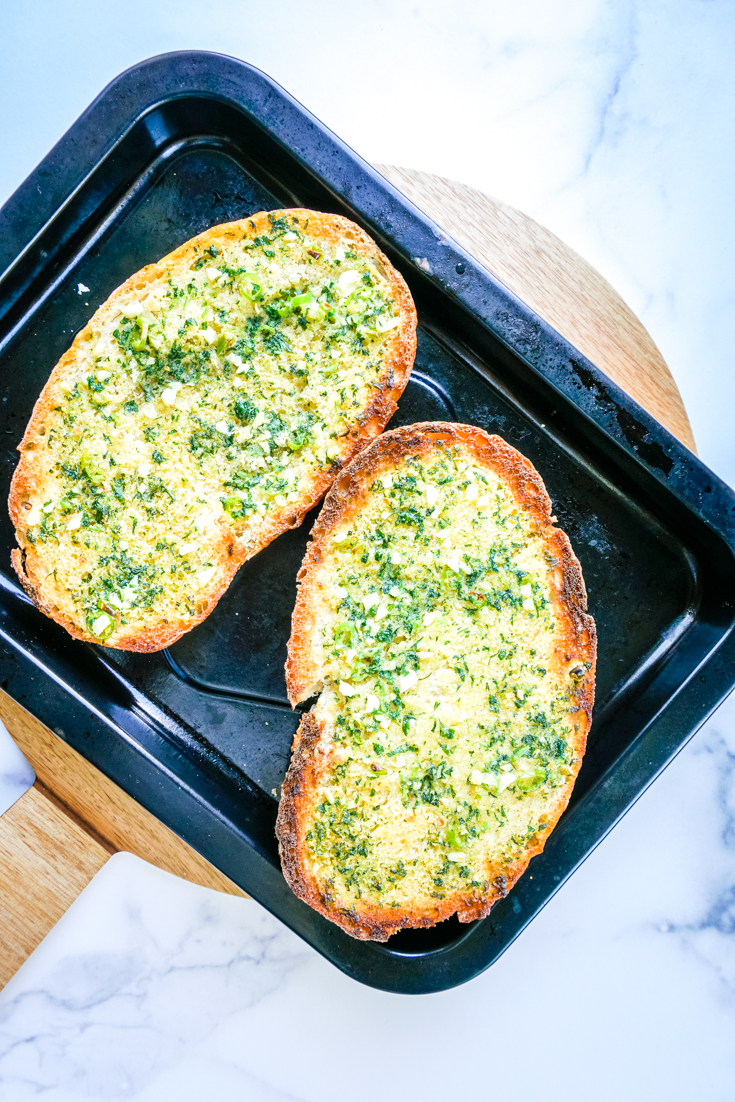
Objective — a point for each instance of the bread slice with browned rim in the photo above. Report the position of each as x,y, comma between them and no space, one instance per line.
205,408
441,619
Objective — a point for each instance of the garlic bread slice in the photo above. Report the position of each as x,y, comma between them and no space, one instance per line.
441,620
205,408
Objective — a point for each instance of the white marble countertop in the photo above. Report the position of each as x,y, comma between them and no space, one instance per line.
16,774
611,122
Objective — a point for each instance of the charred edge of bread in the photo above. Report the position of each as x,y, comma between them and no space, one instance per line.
311,742
235,549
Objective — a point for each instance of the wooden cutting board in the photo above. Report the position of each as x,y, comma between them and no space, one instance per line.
555,282
61,832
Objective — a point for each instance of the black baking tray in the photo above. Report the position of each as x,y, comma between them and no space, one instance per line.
200,734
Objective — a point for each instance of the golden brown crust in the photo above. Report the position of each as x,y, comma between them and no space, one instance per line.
234,546
308,763
576,646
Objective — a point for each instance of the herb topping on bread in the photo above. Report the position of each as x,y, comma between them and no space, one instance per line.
204,409
441,619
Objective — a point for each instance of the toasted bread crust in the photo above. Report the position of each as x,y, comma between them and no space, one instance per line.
235,545
575,644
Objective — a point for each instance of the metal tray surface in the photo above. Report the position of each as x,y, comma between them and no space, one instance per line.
201,734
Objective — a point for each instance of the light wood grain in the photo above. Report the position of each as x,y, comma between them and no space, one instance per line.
46,860
54,839
555,282
107,812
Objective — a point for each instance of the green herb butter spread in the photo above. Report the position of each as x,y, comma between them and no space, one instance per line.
202,401
453,718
